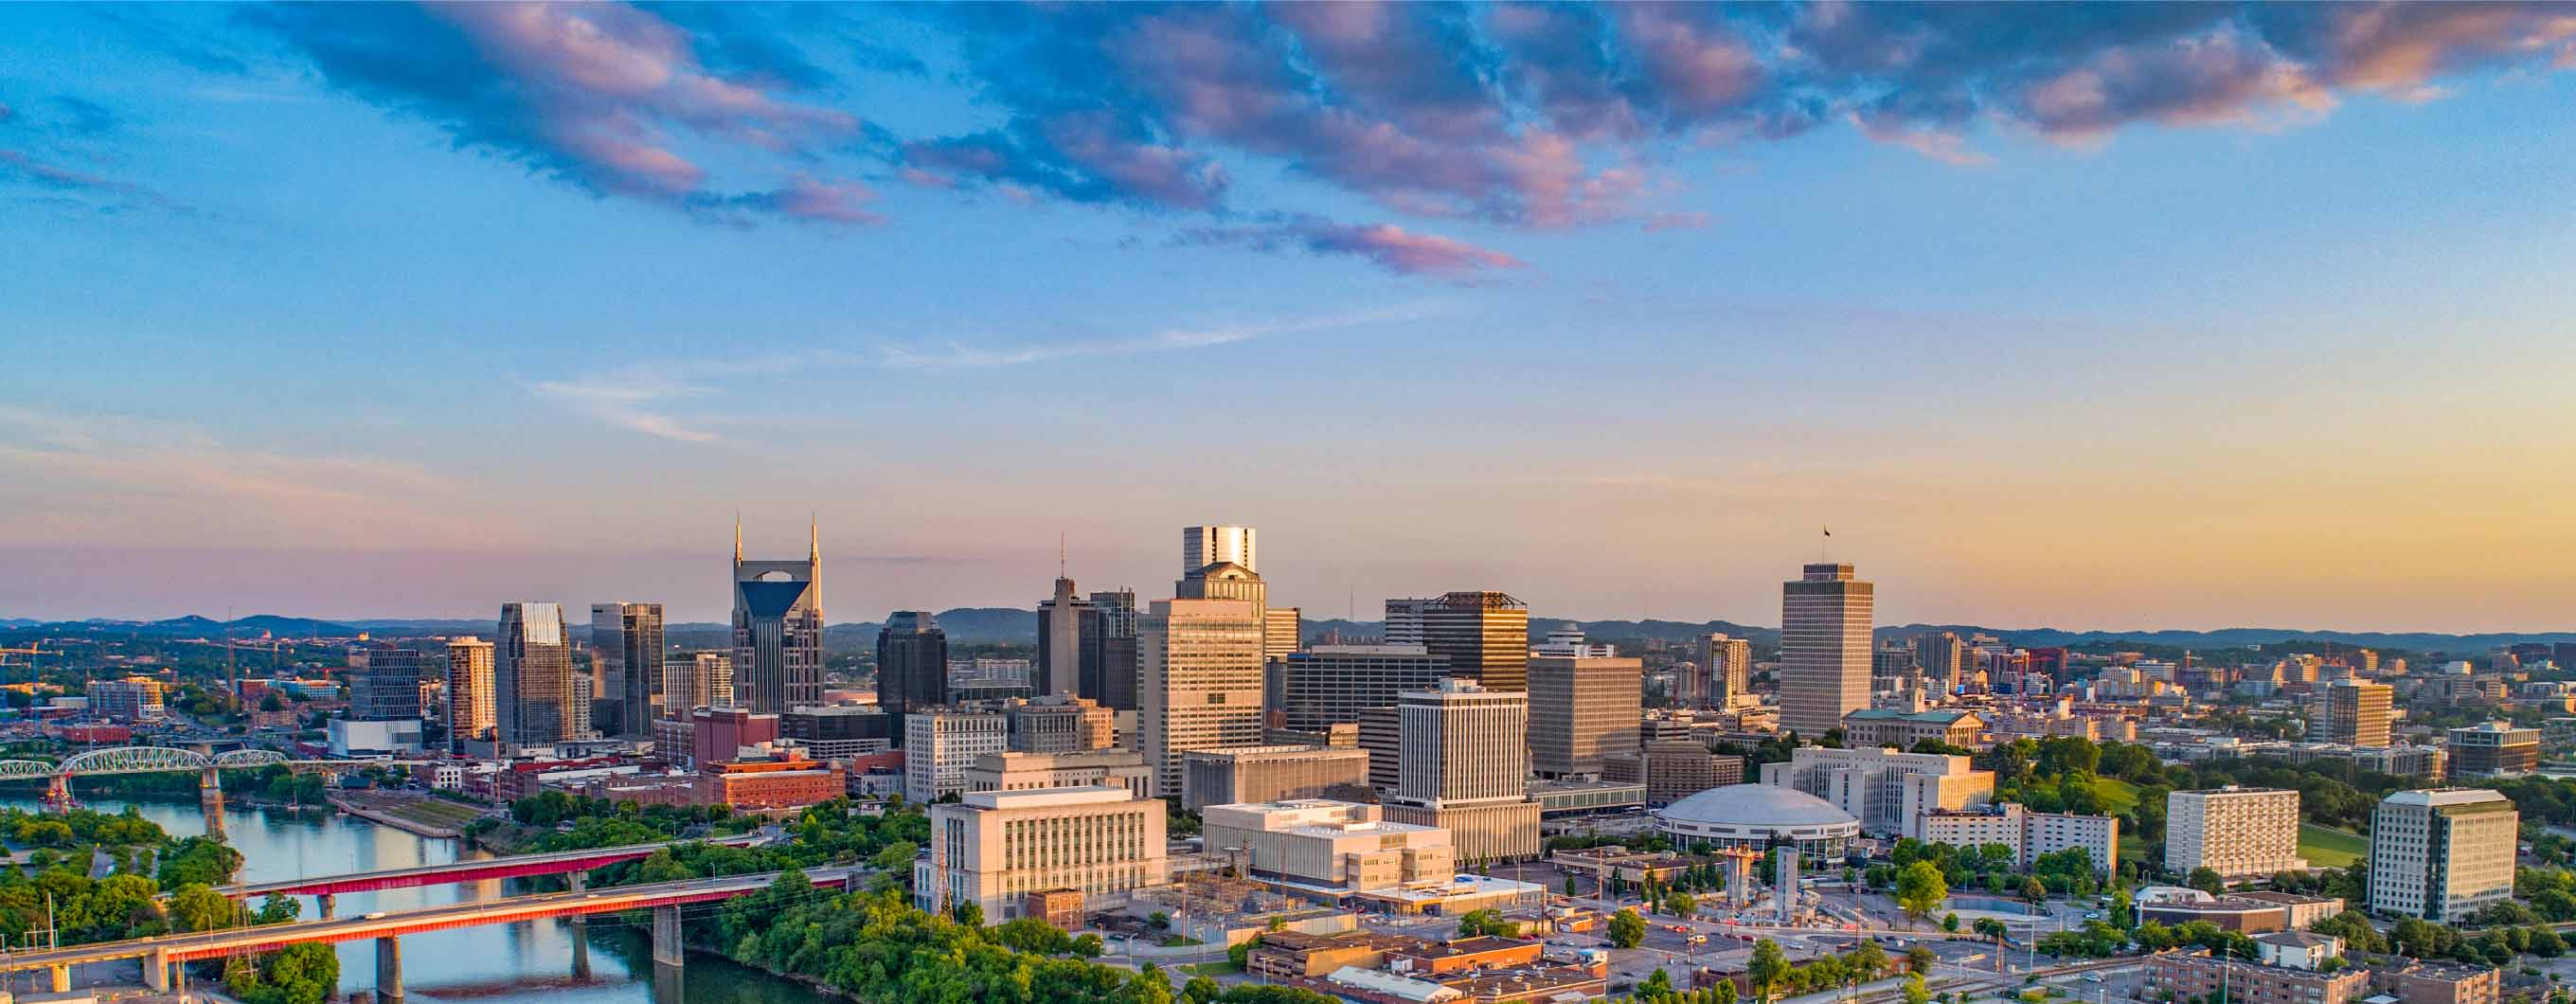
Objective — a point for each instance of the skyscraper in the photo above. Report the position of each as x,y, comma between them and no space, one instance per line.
1280,627
469,692
1464,766
1727,664
384,702
532,677
1060,640
1941,658
704,681
626,643
2442,853
912,664
1202,546
778,629
2352,713
1109,669
1824,649
1404,621
1328,685
1581,710
384,682
1484,635
1201,681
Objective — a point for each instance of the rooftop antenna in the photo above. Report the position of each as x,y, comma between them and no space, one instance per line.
1059,554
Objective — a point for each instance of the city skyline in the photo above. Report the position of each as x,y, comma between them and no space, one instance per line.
2081,316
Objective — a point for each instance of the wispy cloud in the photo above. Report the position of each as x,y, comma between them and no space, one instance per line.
954,355
628,399
125,471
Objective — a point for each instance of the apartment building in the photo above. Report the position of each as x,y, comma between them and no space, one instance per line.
2238,832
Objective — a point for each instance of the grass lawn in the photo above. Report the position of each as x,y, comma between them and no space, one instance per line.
2118,796
1227,968
436,812
2325,847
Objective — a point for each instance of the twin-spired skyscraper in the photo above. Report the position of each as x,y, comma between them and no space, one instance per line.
778,629
1824,649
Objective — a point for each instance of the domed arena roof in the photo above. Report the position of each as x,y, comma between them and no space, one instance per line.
1756,805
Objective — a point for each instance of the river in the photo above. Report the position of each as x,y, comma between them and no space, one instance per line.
493,964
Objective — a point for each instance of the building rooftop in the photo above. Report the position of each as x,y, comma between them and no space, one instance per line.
1036,798
1757,805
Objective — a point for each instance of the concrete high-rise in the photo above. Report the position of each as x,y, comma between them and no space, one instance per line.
1404,620
704,681
626,645
1200,684
1202,546
1108,672
1464,766
1280,627
2350,712
1059,661
469,692
1941,657
1581,710
1484,635
912,664
2493,749
532,689
778,629
2442,854
1328,685
1824,649
1727,664
2240,833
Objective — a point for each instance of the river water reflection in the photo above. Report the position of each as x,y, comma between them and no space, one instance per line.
495,964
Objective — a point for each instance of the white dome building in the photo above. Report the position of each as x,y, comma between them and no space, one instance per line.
1755,816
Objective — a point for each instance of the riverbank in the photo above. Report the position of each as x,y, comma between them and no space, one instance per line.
428,817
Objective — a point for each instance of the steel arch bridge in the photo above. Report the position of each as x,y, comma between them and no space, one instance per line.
160,759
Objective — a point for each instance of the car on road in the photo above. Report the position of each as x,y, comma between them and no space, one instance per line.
2092,977
1699,939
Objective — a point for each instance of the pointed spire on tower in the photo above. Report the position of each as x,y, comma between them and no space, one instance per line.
737,536
814,531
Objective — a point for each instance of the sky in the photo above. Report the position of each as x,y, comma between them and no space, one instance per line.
2087,316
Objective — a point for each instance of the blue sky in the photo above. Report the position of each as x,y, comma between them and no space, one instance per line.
2098,316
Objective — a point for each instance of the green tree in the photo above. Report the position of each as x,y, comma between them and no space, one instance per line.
1867,960
1950,922
1681,904
1915,991
1477,923
2207,879
1627,930
1921,959
1768,967
1724,993
968,912
1200,990
1658,986
198,907
1920,890
1569,885
279,908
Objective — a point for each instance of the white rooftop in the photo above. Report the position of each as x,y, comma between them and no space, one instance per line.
1035,798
